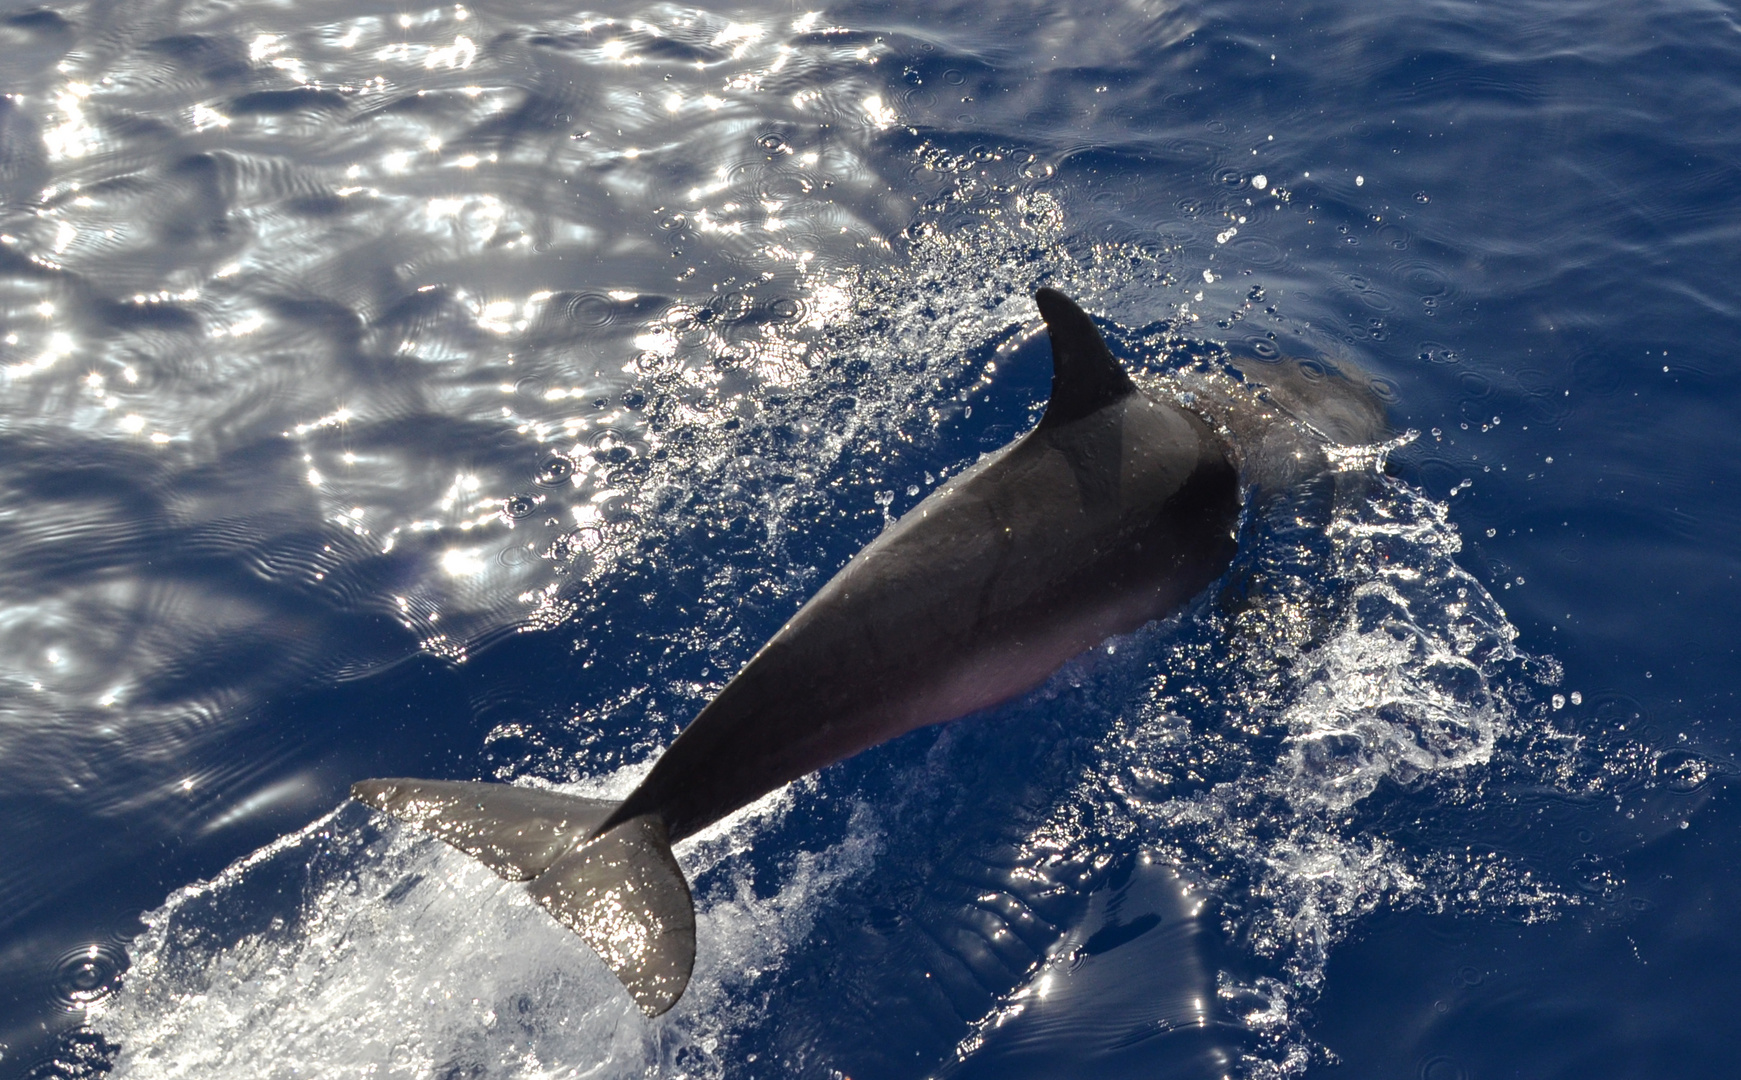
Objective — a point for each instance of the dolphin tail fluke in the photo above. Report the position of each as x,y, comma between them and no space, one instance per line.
625,894
517,832
622,891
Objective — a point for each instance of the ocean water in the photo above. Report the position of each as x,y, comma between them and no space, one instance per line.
467,391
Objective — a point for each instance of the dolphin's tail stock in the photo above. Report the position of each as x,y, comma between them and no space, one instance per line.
621,890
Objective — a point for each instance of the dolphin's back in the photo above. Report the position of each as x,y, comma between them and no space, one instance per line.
1116,509
1074,533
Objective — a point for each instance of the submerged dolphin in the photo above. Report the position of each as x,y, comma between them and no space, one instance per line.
1115,510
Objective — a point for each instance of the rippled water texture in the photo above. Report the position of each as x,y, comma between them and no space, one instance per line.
469,392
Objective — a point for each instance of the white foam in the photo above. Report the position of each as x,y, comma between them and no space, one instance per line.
360,948
353,949
1379,661
1385,699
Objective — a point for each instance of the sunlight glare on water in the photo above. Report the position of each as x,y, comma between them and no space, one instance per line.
1385,682
469,391
310,306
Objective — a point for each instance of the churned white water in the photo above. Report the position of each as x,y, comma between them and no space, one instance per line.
546,394
361,948
358,947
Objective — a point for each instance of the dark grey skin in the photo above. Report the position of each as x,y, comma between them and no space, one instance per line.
1116,510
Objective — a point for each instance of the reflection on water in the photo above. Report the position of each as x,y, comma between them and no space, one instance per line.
318,324
342,342
332,337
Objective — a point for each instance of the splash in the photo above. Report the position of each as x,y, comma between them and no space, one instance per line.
1352,671
357,947
1346,667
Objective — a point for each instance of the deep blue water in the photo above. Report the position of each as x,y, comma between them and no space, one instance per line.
467,391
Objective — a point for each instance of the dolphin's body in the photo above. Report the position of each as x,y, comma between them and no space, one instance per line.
1115,510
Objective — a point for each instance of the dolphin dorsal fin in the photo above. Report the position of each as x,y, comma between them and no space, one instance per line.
1085,375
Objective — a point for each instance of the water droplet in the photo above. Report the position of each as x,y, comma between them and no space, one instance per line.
1682,770
555,470
519,506
590,309
88,974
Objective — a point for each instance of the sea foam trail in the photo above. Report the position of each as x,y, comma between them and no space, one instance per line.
358,947
1251,746
361,948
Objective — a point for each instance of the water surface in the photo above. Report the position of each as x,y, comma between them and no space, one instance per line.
469,392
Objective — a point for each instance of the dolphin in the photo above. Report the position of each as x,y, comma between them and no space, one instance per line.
1117,509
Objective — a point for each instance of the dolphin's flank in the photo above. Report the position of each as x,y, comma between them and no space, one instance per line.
1116,509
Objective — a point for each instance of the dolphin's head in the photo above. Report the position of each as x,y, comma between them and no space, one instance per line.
1336,399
